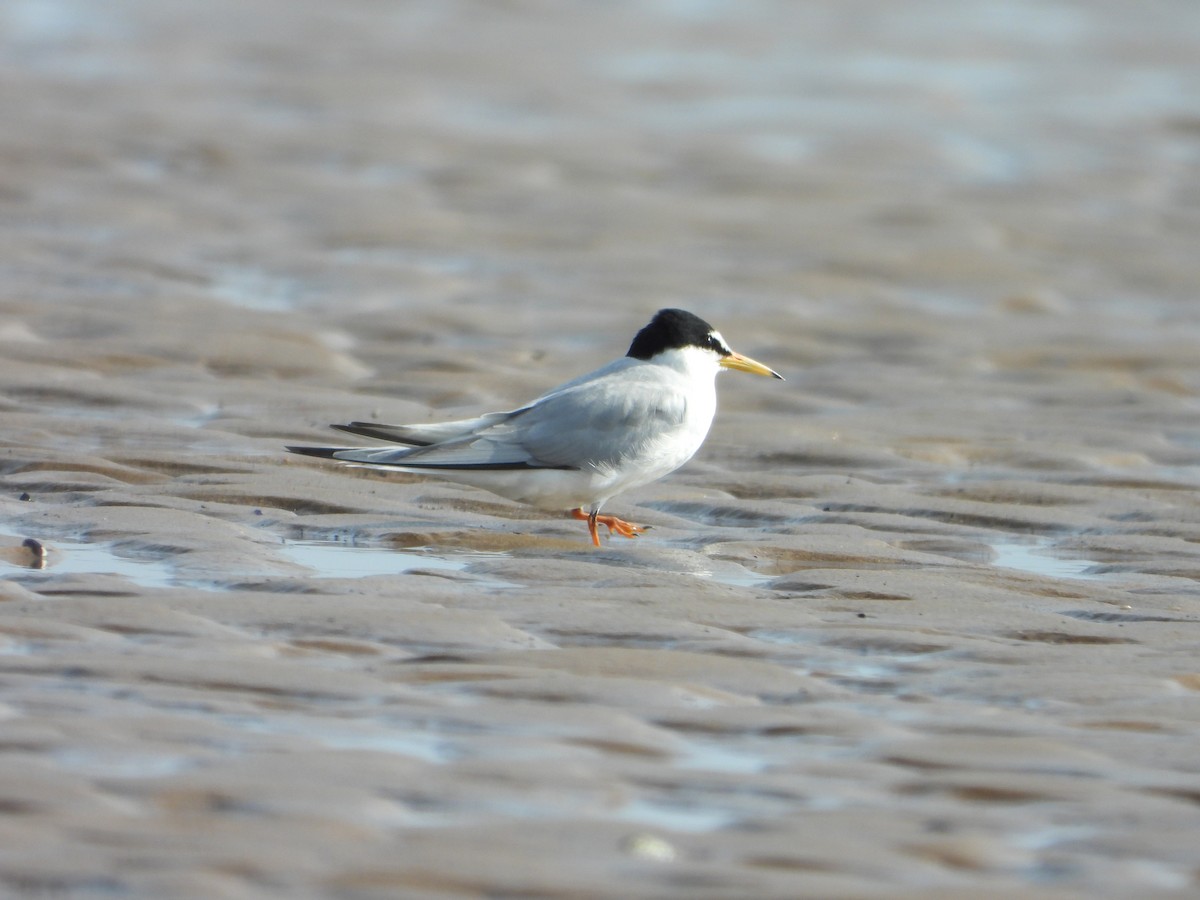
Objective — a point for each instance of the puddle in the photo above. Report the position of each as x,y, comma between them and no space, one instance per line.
74,558
1032,557
735,576
353,735
256,290
709,756
336,559
121,764
325,559
686,564
676,816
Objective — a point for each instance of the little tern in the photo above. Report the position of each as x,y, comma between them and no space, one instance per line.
622,426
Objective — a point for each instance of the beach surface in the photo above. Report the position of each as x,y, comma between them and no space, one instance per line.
921,621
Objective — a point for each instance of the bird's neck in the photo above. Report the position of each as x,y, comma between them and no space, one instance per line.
691,362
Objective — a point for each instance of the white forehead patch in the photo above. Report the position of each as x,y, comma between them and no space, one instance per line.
716,336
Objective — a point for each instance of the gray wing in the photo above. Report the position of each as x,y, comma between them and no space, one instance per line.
427,434
593,423
598,424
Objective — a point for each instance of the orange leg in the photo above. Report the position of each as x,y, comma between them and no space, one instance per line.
612,523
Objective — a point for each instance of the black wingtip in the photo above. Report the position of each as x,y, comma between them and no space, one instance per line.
380,433
319,452
352,428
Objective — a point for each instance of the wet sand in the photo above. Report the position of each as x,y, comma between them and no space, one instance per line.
922,621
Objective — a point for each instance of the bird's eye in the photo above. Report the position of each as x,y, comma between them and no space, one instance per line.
716,344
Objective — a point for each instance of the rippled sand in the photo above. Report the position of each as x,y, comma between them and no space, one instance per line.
921,621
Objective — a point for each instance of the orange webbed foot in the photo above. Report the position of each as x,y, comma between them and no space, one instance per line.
612,523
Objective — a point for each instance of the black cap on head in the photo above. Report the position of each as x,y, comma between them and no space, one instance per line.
673,329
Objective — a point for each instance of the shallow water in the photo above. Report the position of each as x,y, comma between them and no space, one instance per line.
919,620
1034,559
334,559
78,558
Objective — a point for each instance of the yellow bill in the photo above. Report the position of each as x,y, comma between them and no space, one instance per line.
746,364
